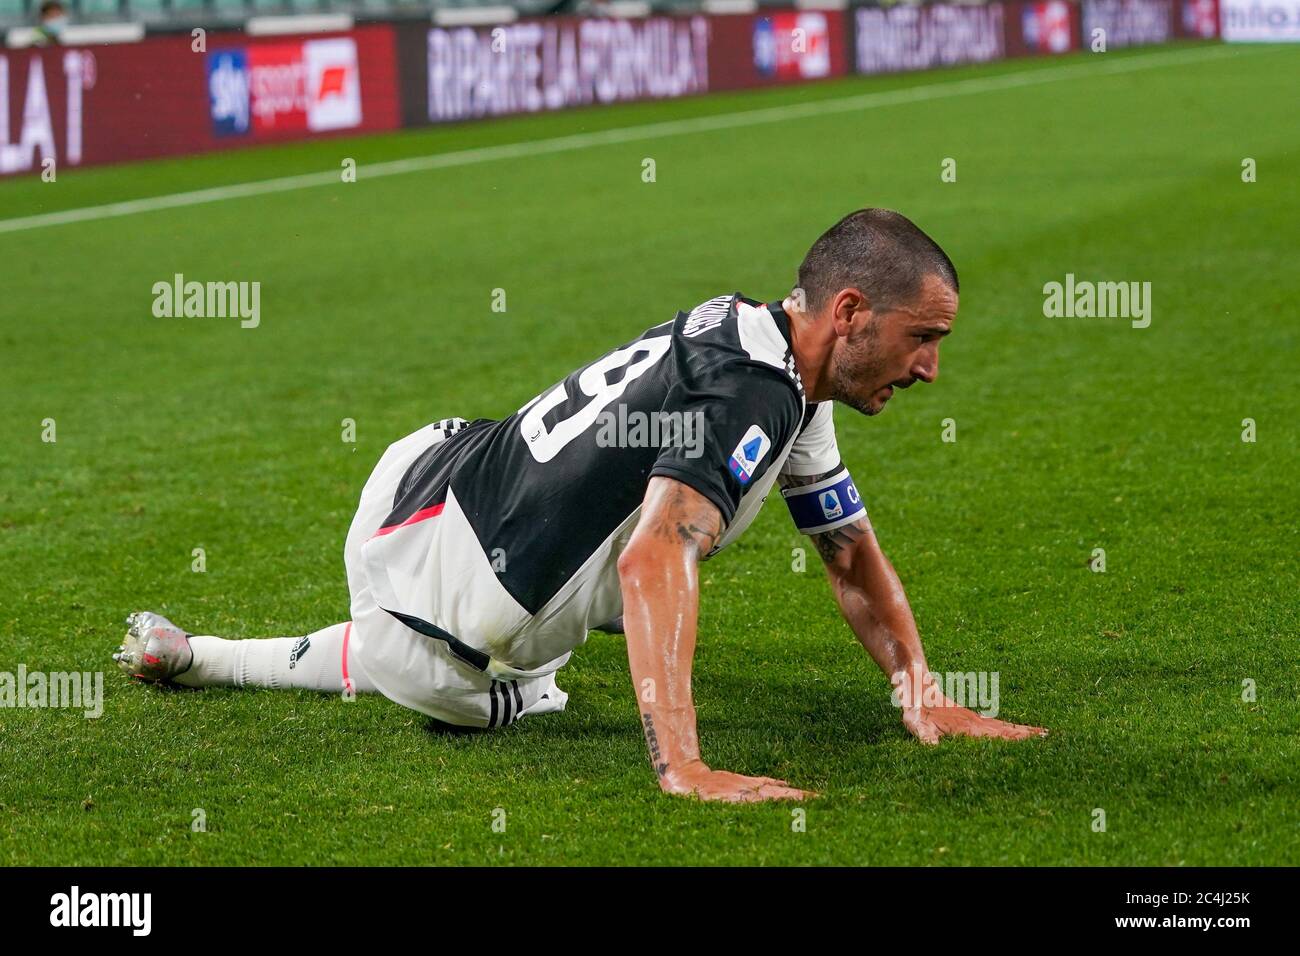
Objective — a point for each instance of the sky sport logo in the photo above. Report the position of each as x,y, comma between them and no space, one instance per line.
76,909
297,85
793,45
1046,26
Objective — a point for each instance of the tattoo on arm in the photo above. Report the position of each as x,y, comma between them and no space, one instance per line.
831,543
652,740
686,525
703,538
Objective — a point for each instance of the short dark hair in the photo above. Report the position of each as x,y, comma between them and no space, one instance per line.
50,5
878,251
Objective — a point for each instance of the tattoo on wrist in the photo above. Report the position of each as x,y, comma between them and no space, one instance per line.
652,740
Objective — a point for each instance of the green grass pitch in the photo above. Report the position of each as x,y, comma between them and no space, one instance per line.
1072,434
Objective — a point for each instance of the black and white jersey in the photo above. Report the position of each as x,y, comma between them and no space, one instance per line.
515,526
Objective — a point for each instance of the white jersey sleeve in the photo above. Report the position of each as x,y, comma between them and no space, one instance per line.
815,451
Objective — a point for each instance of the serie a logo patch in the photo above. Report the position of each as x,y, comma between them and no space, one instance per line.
750,451
831,507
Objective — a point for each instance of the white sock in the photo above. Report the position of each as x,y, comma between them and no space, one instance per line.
314,662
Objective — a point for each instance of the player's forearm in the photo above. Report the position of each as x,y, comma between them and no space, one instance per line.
883,623
873,602
660,611
659,576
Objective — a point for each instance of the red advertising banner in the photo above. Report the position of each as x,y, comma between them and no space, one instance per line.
78,106
111,103
792,46
460,73
557,63
1042,28
1199,19
895,39
1125,23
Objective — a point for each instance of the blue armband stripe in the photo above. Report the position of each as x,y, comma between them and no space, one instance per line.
825,505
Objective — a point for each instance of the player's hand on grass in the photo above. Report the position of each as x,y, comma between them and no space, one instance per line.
696,779
928,724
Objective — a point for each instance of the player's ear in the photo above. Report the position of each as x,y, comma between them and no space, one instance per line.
850,311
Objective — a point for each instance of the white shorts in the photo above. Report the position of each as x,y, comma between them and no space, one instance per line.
409,668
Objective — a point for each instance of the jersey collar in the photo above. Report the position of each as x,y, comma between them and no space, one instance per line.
782,321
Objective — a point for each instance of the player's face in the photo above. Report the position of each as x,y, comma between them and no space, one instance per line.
895,349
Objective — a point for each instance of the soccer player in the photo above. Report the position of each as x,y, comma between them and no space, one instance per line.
483,552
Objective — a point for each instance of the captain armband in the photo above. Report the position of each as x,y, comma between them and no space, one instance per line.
825,505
